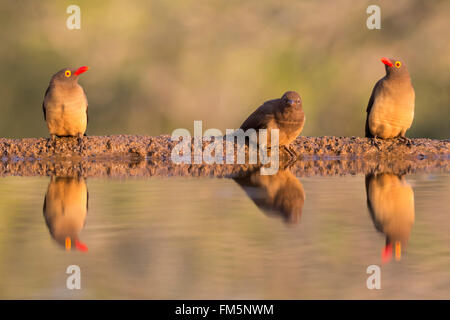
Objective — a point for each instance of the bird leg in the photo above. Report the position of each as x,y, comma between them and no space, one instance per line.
52,141
80,141
405,140
375,142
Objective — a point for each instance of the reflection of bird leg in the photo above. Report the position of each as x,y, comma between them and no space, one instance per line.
287,165
398,250
291,152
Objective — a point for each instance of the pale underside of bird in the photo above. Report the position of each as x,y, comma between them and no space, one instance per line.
65,104
390,111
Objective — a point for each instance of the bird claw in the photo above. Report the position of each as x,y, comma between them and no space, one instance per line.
52,141
80,142
407,141
374,142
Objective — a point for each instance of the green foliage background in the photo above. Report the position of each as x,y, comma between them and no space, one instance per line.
160,65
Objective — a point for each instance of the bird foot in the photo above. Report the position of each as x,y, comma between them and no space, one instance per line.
406,141
80,142
376,143
52,141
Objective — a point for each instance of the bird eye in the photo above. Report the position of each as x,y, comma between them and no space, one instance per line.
68,73
398,64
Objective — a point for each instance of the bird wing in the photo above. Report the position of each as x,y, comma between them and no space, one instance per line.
43,103
261,116
376,223
370,105
87,114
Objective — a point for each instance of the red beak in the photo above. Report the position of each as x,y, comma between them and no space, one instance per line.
386,254
387,62
81,70
81,246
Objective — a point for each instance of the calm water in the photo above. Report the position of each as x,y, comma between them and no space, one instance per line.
256,237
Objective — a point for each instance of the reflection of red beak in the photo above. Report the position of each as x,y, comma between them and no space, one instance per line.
81,70
387,62
81,246
386,255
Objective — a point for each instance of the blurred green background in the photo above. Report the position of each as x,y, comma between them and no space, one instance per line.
160,65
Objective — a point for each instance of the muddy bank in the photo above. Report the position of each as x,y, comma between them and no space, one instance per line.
159,148
144,156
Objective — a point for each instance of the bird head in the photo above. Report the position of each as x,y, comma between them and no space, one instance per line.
395,67
292,98
68,75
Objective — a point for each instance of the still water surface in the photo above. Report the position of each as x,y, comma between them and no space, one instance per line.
256,237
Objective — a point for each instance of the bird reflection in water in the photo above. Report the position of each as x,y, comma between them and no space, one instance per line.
279,195
390,200
65,210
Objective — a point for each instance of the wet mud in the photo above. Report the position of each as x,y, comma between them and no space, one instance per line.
145,156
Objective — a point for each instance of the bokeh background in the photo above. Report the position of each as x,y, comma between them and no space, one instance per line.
160,65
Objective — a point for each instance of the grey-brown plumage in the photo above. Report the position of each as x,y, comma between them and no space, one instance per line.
285,114
390,111
65,104
279,195
390,200
65,210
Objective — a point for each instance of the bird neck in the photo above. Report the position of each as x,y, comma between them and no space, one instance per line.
294,108
403,76
64,84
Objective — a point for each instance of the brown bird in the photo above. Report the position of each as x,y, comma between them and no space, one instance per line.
390,200
279,195
285,114
65,105
390,111
65,210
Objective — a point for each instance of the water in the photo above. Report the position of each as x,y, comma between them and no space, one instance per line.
194,238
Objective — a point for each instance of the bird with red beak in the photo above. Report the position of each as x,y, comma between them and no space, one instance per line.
390,200
65,209
390,111
65,105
